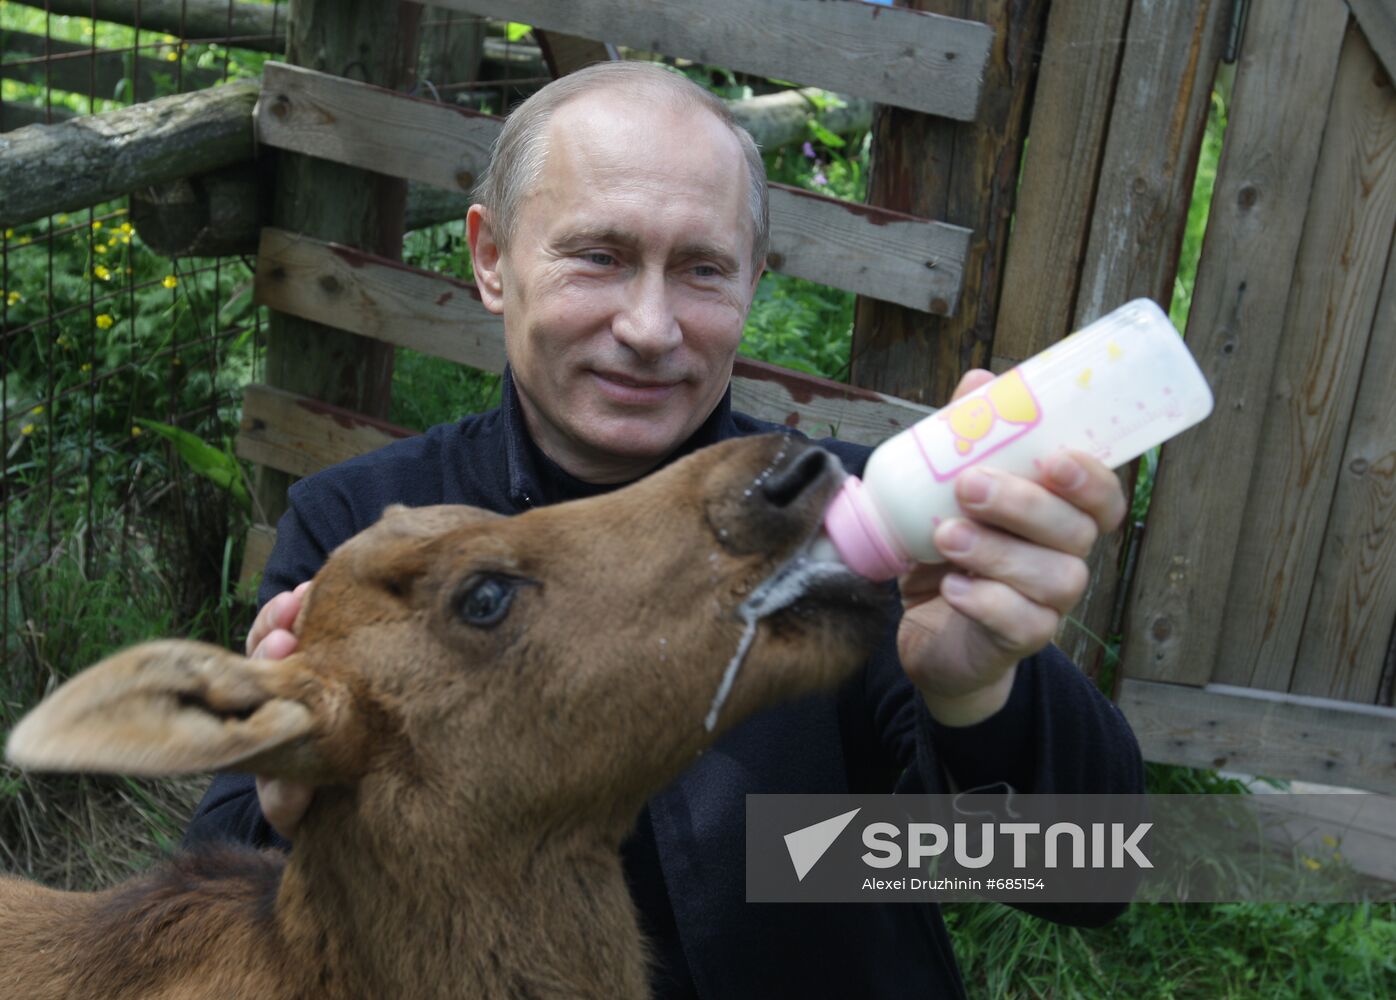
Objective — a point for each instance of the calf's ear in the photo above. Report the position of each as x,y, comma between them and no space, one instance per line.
179,707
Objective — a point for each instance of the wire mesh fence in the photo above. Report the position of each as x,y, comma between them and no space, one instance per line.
121,367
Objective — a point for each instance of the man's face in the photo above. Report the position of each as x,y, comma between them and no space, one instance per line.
627,282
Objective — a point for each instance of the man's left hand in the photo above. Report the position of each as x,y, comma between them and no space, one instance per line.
1015,566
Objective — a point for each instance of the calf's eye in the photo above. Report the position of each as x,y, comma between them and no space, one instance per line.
484,600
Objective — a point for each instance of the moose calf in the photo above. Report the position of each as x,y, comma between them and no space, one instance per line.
484,704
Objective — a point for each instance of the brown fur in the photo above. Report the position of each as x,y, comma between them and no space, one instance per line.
474,782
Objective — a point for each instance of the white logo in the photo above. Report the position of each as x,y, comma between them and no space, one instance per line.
807,845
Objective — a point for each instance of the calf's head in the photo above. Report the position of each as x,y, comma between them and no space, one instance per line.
562,663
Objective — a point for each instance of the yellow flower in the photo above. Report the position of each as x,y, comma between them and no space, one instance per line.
172,56
62,341
169,281
85,367
27,429
168,38
136,432
101,272
99,248
113,241
125,239
62,219
1329,840
24,241
13,298
38,409
105,321
1313,864
126,227
1337,855
9,233
97,224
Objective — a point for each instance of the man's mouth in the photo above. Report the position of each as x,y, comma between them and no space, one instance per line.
634,389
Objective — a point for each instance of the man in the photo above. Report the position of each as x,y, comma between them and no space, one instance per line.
621,232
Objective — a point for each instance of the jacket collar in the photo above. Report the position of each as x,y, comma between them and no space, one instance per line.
537,481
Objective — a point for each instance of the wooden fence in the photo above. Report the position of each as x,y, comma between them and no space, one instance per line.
1258,601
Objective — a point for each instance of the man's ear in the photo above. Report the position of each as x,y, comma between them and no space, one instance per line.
485,257
178,707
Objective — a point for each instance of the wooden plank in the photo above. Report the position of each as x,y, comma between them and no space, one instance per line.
372,128
79,69
298,435
966,174
256,550
1328,320
1264,733
362,208
379,298
883,254
819,407
913,60
442,316
1285,73
1137,221
1362,827
568,53
1378,21
878,253
1070,113
1353,608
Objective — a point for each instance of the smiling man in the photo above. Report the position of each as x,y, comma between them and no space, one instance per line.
621,232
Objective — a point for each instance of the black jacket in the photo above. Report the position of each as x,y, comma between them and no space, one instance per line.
685,861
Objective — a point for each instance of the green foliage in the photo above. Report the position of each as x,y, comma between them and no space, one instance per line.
218,465
1175,951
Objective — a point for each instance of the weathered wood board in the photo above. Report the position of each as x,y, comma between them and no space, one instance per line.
1264,733
1286,70
378,298
1377,19
443,317
299,435
920,61
1327,326
1351,617
882,254
1070,113
1140,213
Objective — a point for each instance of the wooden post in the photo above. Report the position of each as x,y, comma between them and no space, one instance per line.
962,173
376,43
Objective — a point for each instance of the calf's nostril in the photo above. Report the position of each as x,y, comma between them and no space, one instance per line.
784,485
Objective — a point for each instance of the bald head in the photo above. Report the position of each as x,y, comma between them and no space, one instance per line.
523,145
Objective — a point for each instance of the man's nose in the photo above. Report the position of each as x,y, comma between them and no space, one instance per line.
645,322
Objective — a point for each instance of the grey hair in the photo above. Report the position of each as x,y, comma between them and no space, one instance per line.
520,150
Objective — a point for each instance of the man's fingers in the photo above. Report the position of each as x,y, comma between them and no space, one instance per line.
1089,485
1017,625
1026,509
278,613
972,379
1045,576
276,646
283,803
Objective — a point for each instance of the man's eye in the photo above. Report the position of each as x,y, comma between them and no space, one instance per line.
706,271
484,600
600,259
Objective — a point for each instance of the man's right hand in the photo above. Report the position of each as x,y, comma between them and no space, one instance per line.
283,802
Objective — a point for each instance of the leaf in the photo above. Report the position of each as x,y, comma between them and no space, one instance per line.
515,31
217,466
831,139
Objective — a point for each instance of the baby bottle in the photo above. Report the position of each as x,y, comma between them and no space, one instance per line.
1114,389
